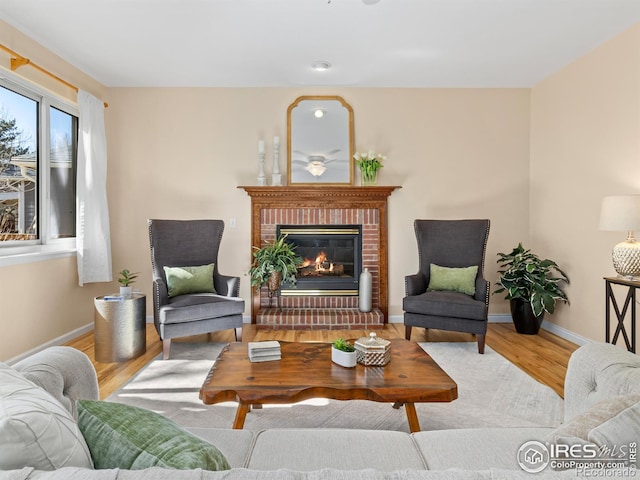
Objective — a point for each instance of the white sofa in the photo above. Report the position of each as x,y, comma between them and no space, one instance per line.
597,372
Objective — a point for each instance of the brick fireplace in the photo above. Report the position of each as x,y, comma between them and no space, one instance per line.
323,205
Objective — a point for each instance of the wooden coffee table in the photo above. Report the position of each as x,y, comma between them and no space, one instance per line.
306,371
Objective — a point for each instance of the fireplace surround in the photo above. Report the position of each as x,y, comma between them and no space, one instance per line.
325,205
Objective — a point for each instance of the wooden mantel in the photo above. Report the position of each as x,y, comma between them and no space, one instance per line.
320,195
323,196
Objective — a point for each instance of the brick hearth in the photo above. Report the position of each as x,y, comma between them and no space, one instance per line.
319,318
334,205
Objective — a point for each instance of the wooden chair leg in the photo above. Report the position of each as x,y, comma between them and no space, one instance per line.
407,332
238,332
166,346
480,339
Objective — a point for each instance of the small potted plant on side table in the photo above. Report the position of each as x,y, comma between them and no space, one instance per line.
343,353
125,280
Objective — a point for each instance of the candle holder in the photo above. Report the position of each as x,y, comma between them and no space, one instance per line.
262,179
276,178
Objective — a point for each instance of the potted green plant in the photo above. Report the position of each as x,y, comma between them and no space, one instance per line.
125,280
343,353
532,286
274,264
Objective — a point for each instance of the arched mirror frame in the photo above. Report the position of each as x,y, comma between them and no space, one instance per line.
290,140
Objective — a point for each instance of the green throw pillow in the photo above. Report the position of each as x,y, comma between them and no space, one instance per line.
183,280
461,280
132,438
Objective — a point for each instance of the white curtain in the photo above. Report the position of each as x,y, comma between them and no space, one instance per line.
92,213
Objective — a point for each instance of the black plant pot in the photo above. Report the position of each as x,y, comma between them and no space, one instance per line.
523,318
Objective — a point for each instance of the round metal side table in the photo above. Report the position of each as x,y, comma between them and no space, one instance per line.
120,327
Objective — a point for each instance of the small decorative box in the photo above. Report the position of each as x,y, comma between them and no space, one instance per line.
373,350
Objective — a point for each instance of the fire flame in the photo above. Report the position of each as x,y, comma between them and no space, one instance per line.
318,262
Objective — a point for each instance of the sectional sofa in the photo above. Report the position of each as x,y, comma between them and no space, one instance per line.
602,407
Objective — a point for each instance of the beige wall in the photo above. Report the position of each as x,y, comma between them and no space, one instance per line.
585,137
181,153
42,301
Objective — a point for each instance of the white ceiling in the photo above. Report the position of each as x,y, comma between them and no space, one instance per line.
404,43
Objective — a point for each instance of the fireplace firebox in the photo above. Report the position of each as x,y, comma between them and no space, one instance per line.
332,259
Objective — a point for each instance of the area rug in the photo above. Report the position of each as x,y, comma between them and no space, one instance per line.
492,392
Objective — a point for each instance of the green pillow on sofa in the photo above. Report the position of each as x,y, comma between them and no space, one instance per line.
461,280
194,279
132,438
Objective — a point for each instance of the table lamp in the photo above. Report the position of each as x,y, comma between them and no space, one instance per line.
622,213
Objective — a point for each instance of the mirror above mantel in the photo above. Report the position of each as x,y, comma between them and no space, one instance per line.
320,141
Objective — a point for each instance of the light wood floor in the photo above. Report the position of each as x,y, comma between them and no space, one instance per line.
543,356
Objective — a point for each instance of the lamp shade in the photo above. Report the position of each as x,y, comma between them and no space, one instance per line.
620,213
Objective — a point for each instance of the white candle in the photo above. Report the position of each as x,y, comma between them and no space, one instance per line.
276,140
260,146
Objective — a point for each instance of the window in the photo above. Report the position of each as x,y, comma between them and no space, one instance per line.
38,153
62,173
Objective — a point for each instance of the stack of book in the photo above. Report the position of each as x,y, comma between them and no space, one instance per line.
264,351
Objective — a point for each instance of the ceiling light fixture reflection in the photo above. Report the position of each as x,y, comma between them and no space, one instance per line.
316,168
321,66
318,113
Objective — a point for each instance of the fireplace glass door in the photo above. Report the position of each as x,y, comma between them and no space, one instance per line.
332,259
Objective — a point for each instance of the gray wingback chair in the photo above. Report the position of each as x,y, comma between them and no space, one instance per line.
183,243
453,244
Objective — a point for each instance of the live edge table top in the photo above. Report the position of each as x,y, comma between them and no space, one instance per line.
306,371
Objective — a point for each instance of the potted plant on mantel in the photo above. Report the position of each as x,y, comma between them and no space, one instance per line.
532,286
343,353
274,264
369,164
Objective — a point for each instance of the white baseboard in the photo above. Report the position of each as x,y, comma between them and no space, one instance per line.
506,318
67,337
566,334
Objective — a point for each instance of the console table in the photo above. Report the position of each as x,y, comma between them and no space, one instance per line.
630,300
